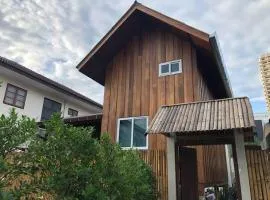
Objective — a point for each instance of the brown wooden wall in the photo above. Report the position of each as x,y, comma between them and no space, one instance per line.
132,84
133,87
157,159
259,173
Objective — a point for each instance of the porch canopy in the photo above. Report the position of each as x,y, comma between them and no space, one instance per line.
205,122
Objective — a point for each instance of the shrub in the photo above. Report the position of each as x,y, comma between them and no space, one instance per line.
14,132
70,164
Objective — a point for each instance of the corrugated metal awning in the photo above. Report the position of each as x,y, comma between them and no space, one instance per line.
204,116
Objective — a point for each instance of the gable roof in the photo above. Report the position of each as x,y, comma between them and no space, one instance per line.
93,65
11,65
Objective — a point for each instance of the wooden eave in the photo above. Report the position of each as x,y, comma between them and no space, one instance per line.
99,53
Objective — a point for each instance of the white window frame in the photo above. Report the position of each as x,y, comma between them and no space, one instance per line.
169,63
132,130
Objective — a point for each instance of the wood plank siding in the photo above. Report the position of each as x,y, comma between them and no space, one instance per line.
133,88
157,159
259,173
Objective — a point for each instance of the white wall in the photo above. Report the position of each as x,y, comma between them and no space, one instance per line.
35,97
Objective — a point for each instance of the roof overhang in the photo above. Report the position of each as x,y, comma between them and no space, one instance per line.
84,120
138,15
218,119
19,69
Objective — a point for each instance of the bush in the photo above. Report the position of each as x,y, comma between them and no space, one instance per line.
14,131
70,164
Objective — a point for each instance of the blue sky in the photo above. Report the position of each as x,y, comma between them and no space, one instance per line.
51,37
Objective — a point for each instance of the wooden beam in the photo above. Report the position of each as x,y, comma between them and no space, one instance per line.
203,140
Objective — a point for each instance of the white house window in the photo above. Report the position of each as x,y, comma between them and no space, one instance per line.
49,108
131,132
170,68
15,96
72,112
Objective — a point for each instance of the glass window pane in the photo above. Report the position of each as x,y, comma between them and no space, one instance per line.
125,133
8,100
20,98
47,103
10,95
49,107
165,68
175,67
139,138
11,88
19,103
21,92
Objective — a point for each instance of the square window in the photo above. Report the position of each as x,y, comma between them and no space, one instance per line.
131,132
165,69
175,67
15,96
72,112
170,68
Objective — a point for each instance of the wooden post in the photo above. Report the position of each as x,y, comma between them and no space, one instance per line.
241,166
171,168
228,163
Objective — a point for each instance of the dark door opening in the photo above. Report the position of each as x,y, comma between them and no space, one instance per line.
186,172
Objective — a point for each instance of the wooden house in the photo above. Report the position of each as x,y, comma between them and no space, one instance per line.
148,60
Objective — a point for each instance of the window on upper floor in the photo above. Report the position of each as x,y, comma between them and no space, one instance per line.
15,96
72,112
131,132
49,108
170,68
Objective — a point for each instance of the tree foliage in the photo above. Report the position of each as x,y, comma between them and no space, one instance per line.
14,132
70,164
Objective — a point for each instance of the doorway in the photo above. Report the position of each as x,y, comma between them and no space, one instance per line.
186,172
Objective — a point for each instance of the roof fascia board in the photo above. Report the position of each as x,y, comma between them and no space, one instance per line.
174,23
107,36
157,15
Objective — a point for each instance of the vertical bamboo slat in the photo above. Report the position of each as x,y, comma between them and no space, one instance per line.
157,160
259,173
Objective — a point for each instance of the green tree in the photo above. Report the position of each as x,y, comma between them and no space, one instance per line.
70,164
15,131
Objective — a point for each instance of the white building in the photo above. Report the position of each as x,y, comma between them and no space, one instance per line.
36,96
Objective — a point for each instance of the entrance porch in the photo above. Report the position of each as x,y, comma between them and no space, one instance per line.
223,122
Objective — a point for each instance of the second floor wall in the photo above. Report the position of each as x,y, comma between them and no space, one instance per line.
134,87
36,96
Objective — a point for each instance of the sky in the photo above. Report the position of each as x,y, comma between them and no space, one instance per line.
51,37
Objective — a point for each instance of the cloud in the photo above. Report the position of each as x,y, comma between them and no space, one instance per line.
258,99
52,37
